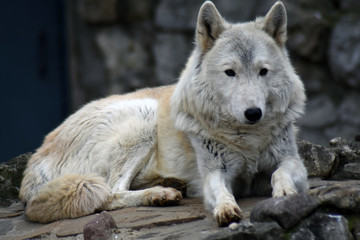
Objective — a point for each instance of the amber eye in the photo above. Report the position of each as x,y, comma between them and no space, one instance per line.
230,73
263,72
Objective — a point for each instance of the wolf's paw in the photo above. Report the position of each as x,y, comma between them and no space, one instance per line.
173,183
283,189
161,196
226,213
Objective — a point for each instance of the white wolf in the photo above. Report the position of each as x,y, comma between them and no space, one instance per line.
226,129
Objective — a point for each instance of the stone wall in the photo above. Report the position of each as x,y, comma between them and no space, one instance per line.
118,46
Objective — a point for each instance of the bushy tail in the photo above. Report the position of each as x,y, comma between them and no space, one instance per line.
69,196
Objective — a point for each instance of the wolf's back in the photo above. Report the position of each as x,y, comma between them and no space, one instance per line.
69,196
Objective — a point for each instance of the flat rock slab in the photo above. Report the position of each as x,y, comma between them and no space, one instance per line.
189,219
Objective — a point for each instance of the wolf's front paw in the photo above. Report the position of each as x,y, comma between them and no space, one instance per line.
161,196
226,213
283,189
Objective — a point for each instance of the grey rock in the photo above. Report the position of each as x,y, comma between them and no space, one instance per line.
344,130
316,109
356,229
338,196
350,5
314,135
264,230
95,11
89,80
5,226
182,14
348,158
177,14
351,171
344,51
323,226
10,178
287,211
353,168
303,233
236,11
349,109
126,59
319,161
133,11
312,76
268,231
175,47
309,28
99,228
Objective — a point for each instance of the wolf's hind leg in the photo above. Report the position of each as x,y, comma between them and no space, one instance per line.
69,196
155,196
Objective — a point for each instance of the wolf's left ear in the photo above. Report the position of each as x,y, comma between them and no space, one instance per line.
209,26
275,23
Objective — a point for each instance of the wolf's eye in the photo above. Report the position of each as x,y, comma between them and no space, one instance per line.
263,72
230,73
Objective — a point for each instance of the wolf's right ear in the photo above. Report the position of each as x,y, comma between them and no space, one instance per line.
209,26
275,23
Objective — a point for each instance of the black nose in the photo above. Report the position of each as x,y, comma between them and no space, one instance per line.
253,115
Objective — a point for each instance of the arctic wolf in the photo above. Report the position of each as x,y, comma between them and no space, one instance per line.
226,129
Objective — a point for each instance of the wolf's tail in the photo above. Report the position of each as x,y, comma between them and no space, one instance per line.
69,196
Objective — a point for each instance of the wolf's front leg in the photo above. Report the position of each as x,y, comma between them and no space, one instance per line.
214,161
290,177
218,197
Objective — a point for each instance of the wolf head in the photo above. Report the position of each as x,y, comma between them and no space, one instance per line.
238,75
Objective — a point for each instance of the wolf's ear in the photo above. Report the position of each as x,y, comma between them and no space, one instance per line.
275,23
209,26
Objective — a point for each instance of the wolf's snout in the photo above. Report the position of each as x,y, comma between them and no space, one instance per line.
253,115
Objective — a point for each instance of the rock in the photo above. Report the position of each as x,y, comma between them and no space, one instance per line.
235,11
309,27
264,230
315,135
356,229
339,196
338,142
307,36
350,5
132,11
349,109
348,157
126,63
287,211
344,51
316,109
315,79
170,46
351,171
10,178
100,227
323,226
98,11
318,160
177,14
344,130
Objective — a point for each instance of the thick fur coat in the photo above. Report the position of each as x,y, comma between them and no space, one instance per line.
226,129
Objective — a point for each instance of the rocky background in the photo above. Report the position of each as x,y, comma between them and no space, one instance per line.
121,45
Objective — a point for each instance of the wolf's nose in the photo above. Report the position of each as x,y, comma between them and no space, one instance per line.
253,115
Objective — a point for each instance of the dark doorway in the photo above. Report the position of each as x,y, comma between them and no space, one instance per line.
33,76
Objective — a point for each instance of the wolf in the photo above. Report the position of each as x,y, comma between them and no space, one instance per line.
226,129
